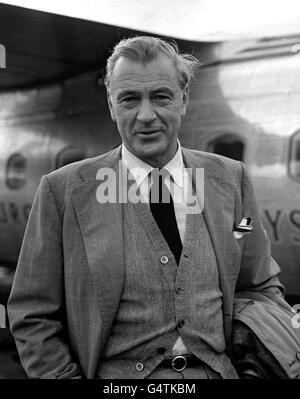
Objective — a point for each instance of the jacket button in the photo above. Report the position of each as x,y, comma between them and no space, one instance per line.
178,289
164,259
139,366
161,350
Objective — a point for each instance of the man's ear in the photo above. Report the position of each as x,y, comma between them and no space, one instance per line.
185,100
110,106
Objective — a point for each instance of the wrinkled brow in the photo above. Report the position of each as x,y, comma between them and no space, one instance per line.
130,92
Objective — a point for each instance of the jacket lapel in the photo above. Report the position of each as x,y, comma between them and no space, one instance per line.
102,231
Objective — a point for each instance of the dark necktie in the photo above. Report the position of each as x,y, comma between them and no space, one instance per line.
162,208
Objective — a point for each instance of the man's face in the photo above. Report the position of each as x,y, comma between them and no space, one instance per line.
147,103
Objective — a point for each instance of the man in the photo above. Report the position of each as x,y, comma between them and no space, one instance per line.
117,289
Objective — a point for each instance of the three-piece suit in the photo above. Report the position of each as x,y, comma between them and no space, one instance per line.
97,292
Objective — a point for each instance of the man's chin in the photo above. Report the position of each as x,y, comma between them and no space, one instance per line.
154,156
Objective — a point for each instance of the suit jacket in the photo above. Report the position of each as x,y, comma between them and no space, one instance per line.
70,273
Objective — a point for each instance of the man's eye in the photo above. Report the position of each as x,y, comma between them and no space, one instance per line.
161,97
128,100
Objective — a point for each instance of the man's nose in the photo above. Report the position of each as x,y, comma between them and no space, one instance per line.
146,112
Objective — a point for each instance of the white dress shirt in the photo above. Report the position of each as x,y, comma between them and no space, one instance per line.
177,184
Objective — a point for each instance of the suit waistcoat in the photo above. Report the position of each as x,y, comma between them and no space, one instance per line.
161,300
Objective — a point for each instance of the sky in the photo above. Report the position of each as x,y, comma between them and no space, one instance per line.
188,19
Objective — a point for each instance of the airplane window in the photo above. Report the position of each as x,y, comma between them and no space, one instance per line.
16,171
69,155
295,156
228,145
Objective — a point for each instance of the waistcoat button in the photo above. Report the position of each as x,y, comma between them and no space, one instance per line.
139,366
164,259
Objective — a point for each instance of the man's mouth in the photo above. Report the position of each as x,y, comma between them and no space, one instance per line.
148,132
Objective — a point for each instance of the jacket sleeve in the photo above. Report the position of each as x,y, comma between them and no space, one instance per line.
36,308
258,271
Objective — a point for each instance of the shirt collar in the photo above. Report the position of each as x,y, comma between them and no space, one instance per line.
140,169
176,167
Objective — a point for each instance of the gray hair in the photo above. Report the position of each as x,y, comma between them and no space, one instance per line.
146,49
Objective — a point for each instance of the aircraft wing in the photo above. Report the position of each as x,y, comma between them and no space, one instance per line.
42,48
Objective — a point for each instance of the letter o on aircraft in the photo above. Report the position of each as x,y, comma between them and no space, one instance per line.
16,171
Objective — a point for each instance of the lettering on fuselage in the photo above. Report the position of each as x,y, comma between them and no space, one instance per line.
274,223
295,220
10,212
274,219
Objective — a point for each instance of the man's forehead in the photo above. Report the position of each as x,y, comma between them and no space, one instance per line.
159,70
123,81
